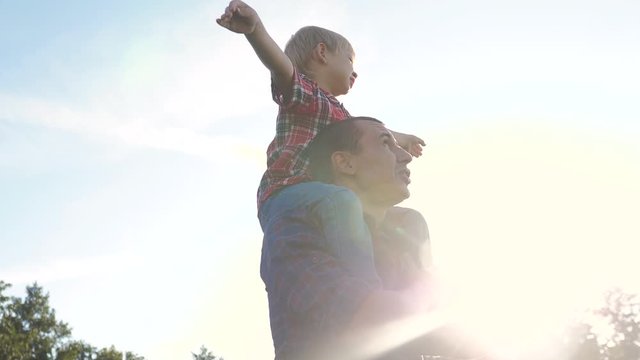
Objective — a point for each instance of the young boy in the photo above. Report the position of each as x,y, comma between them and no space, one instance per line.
315,67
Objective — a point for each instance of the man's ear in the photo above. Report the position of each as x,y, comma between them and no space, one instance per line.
343,163
320,53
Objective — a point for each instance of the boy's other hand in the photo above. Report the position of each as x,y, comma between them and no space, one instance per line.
239,18
411,143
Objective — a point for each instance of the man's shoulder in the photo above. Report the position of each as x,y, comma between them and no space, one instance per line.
407,222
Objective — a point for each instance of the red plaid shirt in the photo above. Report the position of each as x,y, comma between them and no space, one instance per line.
309,110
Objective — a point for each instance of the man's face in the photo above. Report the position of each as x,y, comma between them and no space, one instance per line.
381,172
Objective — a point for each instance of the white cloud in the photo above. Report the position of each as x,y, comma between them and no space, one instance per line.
72,268
128,131
167,90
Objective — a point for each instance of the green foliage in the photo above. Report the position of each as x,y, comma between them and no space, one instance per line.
204,354
75,350
29,330
113,354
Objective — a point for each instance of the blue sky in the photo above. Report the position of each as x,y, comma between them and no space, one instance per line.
132,140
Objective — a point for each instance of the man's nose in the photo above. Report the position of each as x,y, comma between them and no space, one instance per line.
403,155
354,74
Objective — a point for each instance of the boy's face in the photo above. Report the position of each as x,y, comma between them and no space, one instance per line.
341,71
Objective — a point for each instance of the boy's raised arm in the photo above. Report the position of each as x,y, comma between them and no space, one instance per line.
241,18
411,143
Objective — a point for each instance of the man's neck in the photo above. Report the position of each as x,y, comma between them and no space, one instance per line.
375,214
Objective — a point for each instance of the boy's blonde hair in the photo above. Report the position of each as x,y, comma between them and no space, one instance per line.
302,43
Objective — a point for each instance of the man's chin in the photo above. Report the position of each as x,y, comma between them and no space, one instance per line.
406,194
390,196
404,190
401,196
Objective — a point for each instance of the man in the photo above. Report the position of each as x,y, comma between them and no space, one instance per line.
396,323
379,181
322,299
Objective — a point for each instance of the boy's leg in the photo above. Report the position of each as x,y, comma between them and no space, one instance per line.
346,232
337,212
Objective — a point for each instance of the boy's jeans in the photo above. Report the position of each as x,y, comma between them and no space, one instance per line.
335,211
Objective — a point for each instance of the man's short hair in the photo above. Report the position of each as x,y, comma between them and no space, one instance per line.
302,43
340,136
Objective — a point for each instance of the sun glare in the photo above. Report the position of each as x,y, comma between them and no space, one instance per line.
529,226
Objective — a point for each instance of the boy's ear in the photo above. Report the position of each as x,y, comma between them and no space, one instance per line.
343,163
320,53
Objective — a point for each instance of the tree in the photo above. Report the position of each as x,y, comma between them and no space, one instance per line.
76,350
204,354
112,354
612,333
581,343
622,313
29,330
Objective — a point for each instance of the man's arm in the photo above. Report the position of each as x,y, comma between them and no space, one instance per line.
409,233
386,319
241,18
